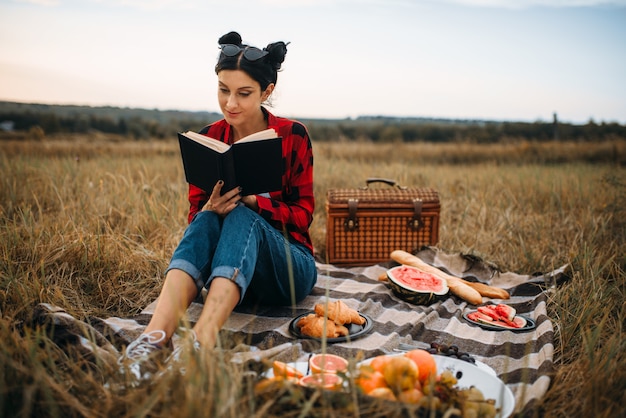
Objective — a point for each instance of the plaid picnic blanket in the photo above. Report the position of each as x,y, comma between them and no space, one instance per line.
523,360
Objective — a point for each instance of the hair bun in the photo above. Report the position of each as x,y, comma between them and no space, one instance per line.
277,52
230,38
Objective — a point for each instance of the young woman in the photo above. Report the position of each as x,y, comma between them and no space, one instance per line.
242,249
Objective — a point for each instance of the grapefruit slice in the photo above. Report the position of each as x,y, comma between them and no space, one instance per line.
285,370
328,363
330,381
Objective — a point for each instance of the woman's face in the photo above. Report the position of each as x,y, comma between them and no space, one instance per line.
240,96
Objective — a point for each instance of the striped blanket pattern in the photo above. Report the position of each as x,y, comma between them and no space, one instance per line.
523,360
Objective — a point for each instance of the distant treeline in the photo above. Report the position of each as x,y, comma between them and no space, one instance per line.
135,123
163,124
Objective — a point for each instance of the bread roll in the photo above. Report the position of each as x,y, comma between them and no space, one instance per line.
340,313
313,326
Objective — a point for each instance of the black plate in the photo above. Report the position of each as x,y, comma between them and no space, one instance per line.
356,331
530,324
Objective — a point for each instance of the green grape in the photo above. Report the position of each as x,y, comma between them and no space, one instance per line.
447,379
487,410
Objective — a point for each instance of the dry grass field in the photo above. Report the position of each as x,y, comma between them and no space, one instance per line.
89,225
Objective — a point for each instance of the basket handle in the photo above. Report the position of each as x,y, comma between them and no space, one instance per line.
388,182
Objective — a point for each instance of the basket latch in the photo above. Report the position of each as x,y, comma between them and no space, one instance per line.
352,222
416,223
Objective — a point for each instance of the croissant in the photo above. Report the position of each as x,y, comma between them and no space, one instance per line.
313,326
340,313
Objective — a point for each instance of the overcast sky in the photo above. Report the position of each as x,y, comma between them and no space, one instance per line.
473,59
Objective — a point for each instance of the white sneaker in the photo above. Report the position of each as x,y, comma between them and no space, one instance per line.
140,361
187,347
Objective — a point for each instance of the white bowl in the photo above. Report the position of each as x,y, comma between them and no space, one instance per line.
468,374
490,385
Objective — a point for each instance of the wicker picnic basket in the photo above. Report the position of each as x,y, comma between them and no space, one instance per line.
365,225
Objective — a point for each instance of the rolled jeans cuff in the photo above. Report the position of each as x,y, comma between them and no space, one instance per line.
188,268
231,273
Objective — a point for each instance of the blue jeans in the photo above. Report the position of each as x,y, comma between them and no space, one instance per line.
243,247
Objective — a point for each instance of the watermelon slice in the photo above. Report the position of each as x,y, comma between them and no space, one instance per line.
500,315
416,286
506,311
480,317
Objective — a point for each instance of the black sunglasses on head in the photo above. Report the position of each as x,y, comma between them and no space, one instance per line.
249,52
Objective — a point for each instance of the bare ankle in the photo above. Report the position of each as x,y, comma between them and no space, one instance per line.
206,339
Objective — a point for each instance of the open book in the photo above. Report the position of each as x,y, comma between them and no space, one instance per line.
254,162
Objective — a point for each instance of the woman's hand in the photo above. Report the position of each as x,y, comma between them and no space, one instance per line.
222,204
250,201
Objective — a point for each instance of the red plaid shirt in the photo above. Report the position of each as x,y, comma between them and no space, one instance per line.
290,209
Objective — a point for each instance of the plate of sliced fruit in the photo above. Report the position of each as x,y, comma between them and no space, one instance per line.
325,371
499,317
